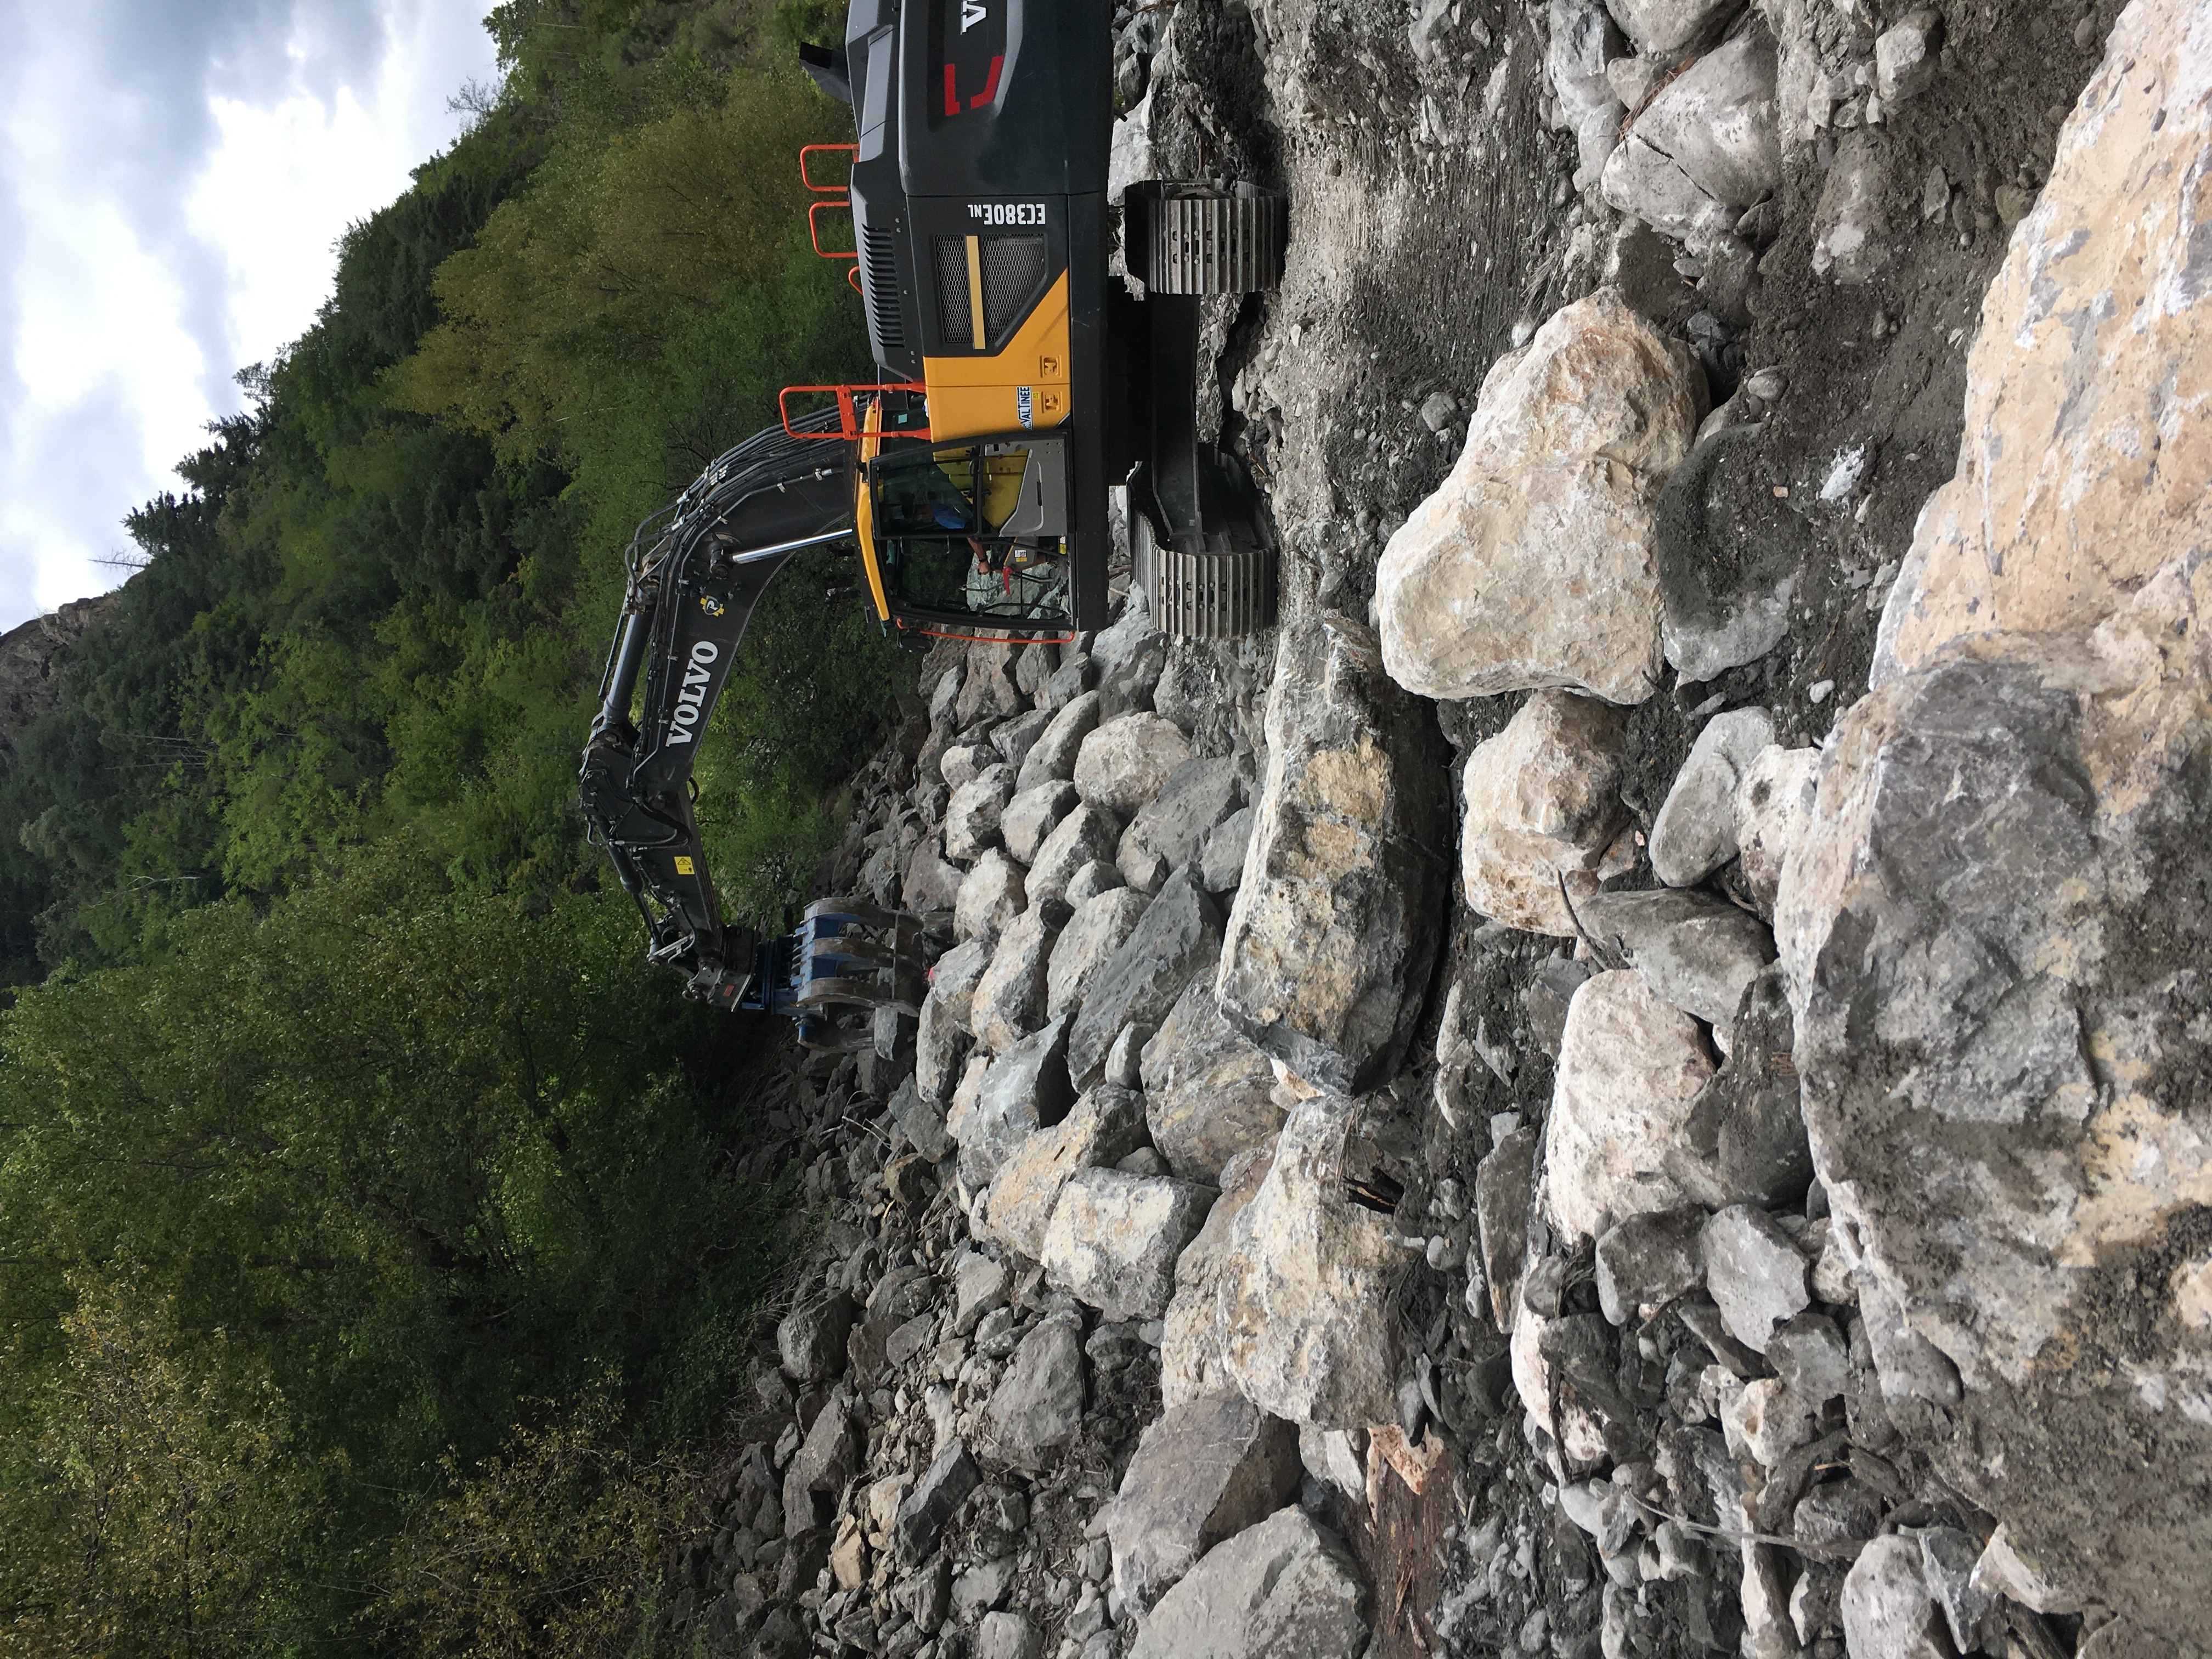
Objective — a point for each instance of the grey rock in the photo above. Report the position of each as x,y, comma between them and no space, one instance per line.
971,821
1647,1261
1745,1141
1170,831
1026,1089
930,883
1074,676
1886,1609
1209,1091
1581,39
1088,834
983,1587
1221,861
1017,737
1034,669
1504,1189
1327,957
1913,1369
1773,811
811,1338
1810,1355
920,1118
1693,950
928,1508
829,1457
1974,1614
1285,1587
1034,814
1207,1469
1127,687
1101,1128
779,1636
1755,1272
1099,876
1006,1636
1179,936
980,1285
1009,1002
1304,1285
944,699
1052,756
1906,56
1717,122
1113,1239
1037,1410
1850,221
953,981
940,1050
1838,1515
1668,26
1124,1065
1543,808
1695,831
991,896
1101,926
1125,763
988,691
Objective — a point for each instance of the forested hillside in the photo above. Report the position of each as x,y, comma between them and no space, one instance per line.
357,1182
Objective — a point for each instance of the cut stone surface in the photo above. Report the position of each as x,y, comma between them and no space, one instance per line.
1037,1408
1010,998
1755,1273
1024,1090
1126,763
1207,1469
1571,441
1305,1285
1087,944
1630,1067
1177,938
1169,831
1695,832
1333,931
1190,1343
1648,1260
1102,1128
1086,835
1052,756
971,819
1543,804
1034,814
991,896
1221,862
1113,1239
1209,1092
1286,1587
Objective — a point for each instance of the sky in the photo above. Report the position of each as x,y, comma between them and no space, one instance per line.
174,176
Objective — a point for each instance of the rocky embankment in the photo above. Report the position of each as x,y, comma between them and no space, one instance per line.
1629,1080
33,656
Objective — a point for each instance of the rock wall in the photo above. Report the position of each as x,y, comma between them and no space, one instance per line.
31,657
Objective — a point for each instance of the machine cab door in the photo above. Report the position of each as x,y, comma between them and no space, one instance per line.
971,534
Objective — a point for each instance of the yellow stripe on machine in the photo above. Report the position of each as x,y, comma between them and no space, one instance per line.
975,291
1024,384
864,512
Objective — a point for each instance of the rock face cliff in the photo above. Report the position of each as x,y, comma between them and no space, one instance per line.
32,658
1627,1081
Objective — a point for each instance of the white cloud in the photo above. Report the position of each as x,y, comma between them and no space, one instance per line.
143,274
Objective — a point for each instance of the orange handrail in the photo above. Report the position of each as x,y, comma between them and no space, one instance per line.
849,400
805,178
814,230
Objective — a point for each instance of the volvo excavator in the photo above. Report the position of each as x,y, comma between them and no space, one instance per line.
1020,381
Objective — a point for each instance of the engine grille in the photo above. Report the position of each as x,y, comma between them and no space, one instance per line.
880,290
1013,269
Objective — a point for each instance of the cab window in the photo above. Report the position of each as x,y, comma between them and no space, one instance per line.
940,522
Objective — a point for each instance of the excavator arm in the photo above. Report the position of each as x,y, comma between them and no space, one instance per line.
696,570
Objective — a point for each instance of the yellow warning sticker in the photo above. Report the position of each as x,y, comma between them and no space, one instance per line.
683,865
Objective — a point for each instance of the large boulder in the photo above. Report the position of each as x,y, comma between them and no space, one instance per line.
1209,1093
1104,1127
1084,836
1034,814
1533,565
1996,930
1630,1069
1285,1587
1305,1285
1707,148
1773,810
1744,1139
1695,831
1037,1410
971,818
1023,1089
1543,805
1099,928
1694,950
1190,1345
1127,761
1009,1001
1052,758
1170,831
991,896
1209,1468
1668,26
1179,936
1334,931
1114,1236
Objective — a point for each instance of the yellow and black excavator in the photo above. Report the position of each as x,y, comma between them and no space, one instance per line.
1020,380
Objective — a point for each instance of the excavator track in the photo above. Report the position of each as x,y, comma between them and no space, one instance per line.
1193,238
1204,595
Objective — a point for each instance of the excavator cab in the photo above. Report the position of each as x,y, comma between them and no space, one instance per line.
957,537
